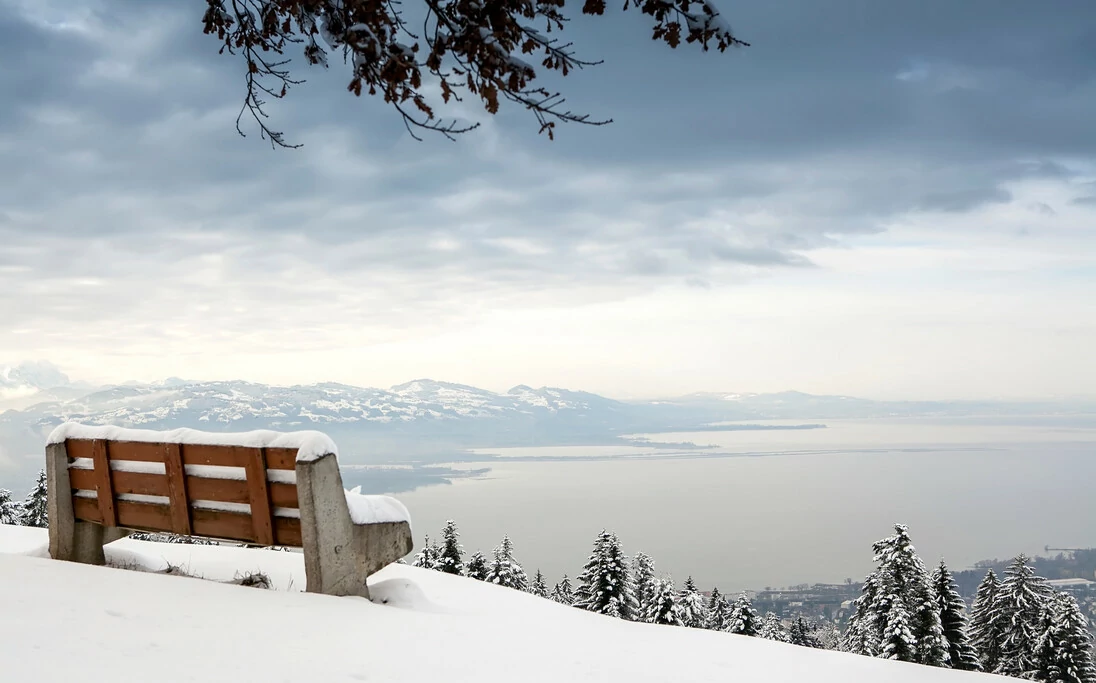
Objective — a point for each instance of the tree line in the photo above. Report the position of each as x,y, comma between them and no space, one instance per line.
1017,626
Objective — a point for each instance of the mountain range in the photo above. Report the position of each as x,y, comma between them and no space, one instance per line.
423,420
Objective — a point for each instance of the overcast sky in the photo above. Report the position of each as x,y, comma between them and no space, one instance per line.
889,199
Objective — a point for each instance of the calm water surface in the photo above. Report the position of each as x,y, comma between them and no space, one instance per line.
777,508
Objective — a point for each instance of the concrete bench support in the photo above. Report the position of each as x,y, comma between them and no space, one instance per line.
339,555
70,539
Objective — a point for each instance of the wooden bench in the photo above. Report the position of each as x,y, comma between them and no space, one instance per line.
264,488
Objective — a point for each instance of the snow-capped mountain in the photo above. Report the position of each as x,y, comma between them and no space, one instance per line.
234,405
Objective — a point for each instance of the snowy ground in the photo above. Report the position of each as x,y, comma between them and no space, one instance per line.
62,621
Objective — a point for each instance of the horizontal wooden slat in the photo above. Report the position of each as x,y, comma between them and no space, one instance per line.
145,516
119,450
283,495
222,490
86,510
198,488
221,456
281,458
287,531
220,524
235,491
211,523
123,482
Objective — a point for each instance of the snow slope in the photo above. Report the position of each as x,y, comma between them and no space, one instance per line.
65,622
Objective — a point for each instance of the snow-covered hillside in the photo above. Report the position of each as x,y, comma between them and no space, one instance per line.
64,622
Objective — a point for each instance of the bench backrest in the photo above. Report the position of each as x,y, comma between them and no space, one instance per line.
227,492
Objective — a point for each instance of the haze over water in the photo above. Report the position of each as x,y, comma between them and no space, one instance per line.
778,508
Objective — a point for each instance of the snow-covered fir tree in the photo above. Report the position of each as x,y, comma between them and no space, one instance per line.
953,619
476,567
803,634
663,607
429,557
451,557
504,570
986,626
772,628
743,619
896,615
719,612
35,507
604,584
694,613
11,512
643,575
539,587
1062,652
563,593
1018,608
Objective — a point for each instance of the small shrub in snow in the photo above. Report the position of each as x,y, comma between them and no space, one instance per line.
253,580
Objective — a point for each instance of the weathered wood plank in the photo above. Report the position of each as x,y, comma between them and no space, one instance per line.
287,532
86,510
281,458
259,497
176,487
104,488
219,456
234,526
143,516
123,482
236,491
119,450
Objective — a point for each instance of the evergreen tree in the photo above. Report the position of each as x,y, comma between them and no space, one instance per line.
429,557
663,607
864,634
505,570
897,616
986,626
953,619
35,510
772,628
801,633
643,575
604,584
719,612
477,567
743,619
693,611
1019,608
539,587
1062,653
562,593
11,512
451,557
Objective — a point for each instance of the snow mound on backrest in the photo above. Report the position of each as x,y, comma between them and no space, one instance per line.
310,445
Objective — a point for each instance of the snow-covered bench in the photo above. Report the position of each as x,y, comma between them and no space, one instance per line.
265,488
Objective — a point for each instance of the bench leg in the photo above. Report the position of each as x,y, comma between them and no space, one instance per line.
70,539
333,561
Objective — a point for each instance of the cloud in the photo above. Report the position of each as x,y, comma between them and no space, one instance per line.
131,210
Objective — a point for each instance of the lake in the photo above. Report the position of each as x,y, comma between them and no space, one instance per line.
777,508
